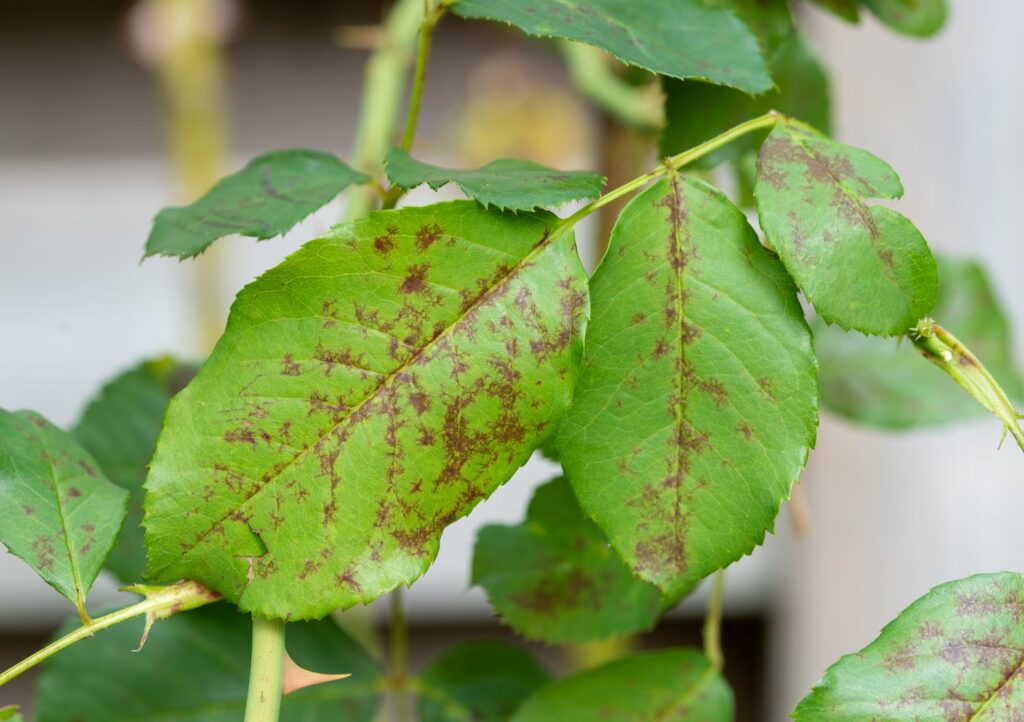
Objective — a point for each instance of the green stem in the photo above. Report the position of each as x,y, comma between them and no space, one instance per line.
426,36
713,623
637,106
947,352
266,670
160,602
399,630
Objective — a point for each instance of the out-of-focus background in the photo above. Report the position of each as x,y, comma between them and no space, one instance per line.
84,167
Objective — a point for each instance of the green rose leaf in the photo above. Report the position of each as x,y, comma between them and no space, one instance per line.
911,17
697,402
10,713
846,9
195,668
368,391
886,383
507,184
769,20
119,429
266,198
696,112
955,653
863,267
554,578
682,39
477,681
676,685
57,511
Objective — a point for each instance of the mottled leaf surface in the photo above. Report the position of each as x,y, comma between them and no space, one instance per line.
119,429
194,667
507,184
697,403
957,653
554,577
696,112
911,17
266,198
885,382
863,267
57,511
668,686
477,682
367,392
683,39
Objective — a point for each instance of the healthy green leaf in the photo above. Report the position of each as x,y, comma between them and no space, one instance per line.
676,685
683,39
57,511
696,112
769,20
912,17
119,429
10,714
264,199
367,392
954,654
697,403
512,185
195,668
554,578
885,383
846,9
477,682
863,267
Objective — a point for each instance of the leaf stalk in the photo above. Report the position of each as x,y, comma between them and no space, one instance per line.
713,623
266,670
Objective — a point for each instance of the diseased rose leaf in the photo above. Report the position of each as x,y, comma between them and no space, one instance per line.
194,667
506,184
478,681
119,429
677,685
58,512
911,17
886,383
862,267
697,402
368,391
954,654
554,578
266,198
682,39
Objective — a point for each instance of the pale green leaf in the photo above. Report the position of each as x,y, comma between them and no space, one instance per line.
911,17
887,383
194,667
668,686
863,267
10,713
266,198
57,511
367,392
954,654
554,578
507,184
477,682
119,429
683,39
697,403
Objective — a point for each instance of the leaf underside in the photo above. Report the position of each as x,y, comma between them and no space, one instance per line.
554,578
885,383
954,654
195,668
668,686
369,391
862,267
697,402
506,184
58,512
266,198
682,39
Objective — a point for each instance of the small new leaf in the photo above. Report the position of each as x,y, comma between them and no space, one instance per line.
862,267
682,39
676,685
58,512
955,653
266,198
507,184
920,18
555,579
